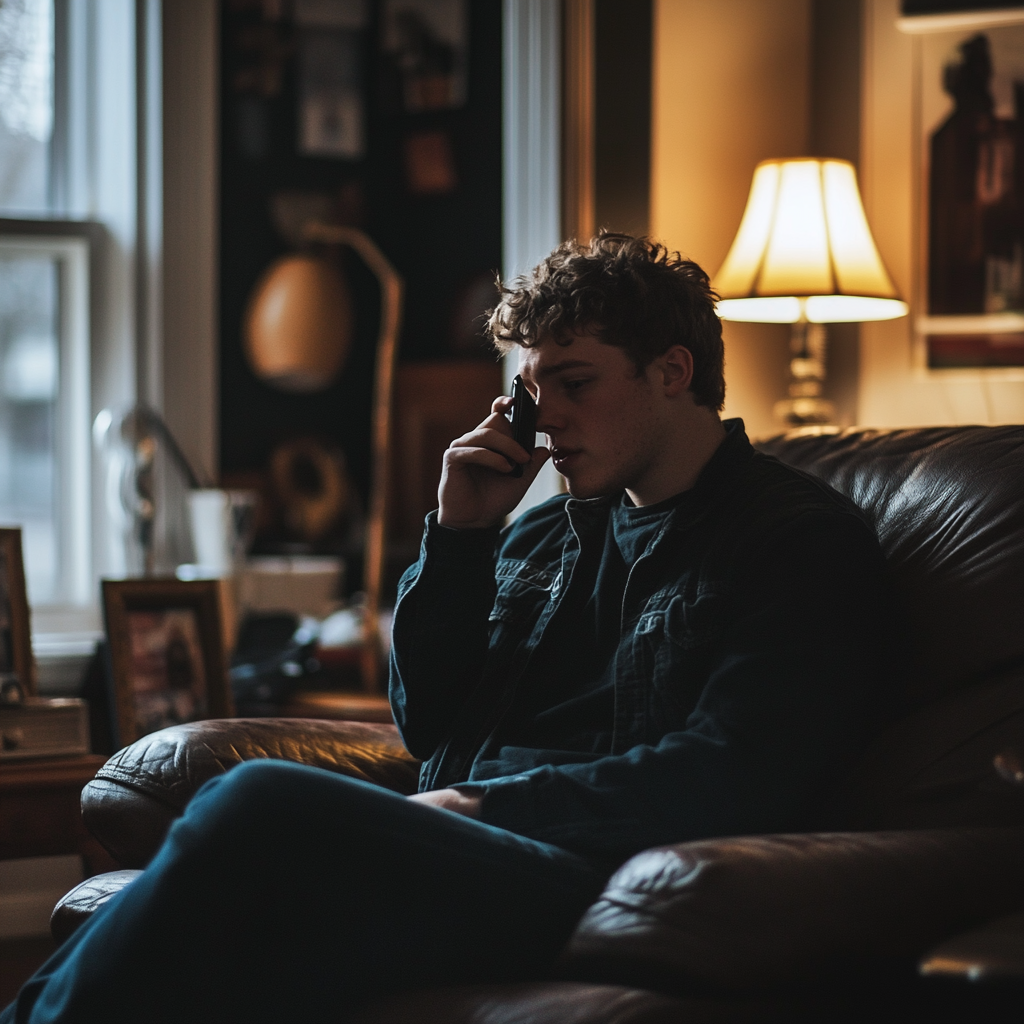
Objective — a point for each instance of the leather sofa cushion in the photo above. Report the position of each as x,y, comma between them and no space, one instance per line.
534,1002
948,506
566,1002
934,768
763,911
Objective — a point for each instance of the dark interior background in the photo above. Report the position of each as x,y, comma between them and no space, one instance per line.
622,115
911,7
447,246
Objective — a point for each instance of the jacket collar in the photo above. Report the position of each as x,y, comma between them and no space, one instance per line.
717,479
722,471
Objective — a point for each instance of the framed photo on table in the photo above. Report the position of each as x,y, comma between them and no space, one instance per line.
16,662
168,662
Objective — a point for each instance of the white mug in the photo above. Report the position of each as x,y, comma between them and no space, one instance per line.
221,527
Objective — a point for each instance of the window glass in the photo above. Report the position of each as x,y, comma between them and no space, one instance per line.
29,360
26,104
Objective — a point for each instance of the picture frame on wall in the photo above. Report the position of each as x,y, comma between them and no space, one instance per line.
425,45
168,659
969,154
17,666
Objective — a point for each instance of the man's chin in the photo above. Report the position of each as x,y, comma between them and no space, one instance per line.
584,489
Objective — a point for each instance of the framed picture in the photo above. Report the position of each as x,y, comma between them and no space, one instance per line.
970,156
168,661
426,51
330,77
16,662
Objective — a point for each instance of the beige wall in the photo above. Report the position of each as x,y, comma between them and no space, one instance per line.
730,88
894,392
190,329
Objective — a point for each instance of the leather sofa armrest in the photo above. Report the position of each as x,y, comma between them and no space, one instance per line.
993,951
75,907
758,912
137,794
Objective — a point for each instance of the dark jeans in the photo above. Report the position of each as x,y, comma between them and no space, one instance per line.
287,893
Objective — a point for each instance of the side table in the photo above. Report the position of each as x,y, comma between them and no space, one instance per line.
40,810
41,816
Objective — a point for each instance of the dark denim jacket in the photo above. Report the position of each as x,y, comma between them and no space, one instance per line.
752,658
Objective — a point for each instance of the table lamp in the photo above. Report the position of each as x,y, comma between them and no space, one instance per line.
804,255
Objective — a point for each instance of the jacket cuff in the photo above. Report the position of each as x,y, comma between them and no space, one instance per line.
509,802
469,545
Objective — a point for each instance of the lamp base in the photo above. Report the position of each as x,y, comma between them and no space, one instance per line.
805,406
805,412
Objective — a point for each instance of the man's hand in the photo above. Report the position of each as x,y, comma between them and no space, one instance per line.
477,490
466,804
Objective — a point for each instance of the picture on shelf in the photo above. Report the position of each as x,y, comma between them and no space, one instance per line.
331,115
425,43
16,663
167,676
972,159
329,41
167,656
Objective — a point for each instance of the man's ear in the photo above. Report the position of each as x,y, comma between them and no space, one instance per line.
676,369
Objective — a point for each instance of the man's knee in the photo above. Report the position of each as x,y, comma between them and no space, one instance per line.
247,797
250,782
269,808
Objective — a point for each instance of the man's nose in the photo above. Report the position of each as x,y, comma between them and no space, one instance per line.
549,418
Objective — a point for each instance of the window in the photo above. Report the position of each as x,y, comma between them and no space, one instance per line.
70,274
26,108
44,404
85,177
44,322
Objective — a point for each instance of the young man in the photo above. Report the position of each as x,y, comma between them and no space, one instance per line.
689,645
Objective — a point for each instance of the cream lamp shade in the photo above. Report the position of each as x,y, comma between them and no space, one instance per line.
804,251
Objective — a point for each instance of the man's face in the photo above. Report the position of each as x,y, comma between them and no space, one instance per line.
603,420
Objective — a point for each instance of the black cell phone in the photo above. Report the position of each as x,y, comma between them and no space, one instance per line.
524,419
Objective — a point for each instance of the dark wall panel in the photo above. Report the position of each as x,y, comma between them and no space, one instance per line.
622,115
446,245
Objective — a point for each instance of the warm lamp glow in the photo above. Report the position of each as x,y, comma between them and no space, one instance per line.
804,256
817,309
804,250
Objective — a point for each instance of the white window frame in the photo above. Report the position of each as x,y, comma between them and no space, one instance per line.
532,128
71,252
135,170
95,176
68,627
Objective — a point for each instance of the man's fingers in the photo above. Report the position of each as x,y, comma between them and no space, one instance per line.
466,804
498,420
496,441
464,456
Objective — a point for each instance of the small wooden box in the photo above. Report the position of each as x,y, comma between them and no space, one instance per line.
44,727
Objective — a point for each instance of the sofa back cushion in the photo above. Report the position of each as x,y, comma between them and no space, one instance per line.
757,912
948,506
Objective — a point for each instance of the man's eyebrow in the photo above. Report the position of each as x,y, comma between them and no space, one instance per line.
565,364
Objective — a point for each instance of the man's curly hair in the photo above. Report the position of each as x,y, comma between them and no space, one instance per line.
629,292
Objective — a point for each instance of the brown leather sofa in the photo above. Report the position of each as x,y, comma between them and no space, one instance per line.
906,905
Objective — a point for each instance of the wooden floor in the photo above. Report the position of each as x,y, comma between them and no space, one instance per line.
19,959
